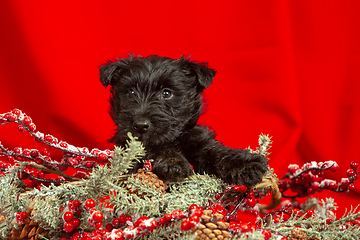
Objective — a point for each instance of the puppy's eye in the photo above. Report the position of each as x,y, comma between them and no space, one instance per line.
130,93
166,94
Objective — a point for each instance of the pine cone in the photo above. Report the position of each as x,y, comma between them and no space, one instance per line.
212,228
148,178
297,234
30,230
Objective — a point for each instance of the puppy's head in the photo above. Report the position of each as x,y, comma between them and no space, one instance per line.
155,98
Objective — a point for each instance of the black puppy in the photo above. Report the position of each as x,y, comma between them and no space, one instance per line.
159,100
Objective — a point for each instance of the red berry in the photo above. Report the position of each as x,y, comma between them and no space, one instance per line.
122,218
193,207
90,203
85,238
332,185
26,152
109,227
162,220
252,227
286,217
351,187
266,233
197,212
276,219
334,167
45,152
354,165
88,164
68,216
32,127
18,217
194,218
177,214
73,162
63,144
102,157
350,173
243,227
296,211
98,216
243,188
185,225
41,174
167,217
237,188
140,220
27,120
39,161
34,153
116,221
21,128
329,221
153,223
98,225
217,196
292,168
250,194
251,202
128,218
23,215
16,112
76,222
220,209
192,224
48,138
68,227
309,212
80,174
12,118
76,203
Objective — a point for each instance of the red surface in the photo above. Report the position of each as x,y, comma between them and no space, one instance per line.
290,69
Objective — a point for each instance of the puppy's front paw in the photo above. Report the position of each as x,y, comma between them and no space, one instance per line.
172,169
247,169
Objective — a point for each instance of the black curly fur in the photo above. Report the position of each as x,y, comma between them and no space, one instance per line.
159,100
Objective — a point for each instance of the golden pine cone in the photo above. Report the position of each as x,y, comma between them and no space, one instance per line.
211,227
150,179
29,230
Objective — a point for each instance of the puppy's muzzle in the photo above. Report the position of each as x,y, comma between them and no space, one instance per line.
141,125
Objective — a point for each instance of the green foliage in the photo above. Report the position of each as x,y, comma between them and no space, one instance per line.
316,225
196,189
9,202
112,181
46,203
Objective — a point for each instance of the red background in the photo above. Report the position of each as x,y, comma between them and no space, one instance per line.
290,69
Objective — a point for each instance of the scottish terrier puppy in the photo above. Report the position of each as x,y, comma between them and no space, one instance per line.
159,100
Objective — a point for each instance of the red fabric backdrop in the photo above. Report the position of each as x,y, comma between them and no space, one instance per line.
290,69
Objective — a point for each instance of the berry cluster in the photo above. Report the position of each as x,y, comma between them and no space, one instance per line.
70,214
243,228
148,165
20,217
192,221
309,179
38,164
236,198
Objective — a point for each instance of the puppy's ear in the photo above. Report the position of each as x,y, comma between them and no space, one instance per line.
110,73
203,74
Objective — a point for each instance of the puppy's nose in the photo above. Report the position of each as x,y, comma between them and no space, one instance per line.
141,126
